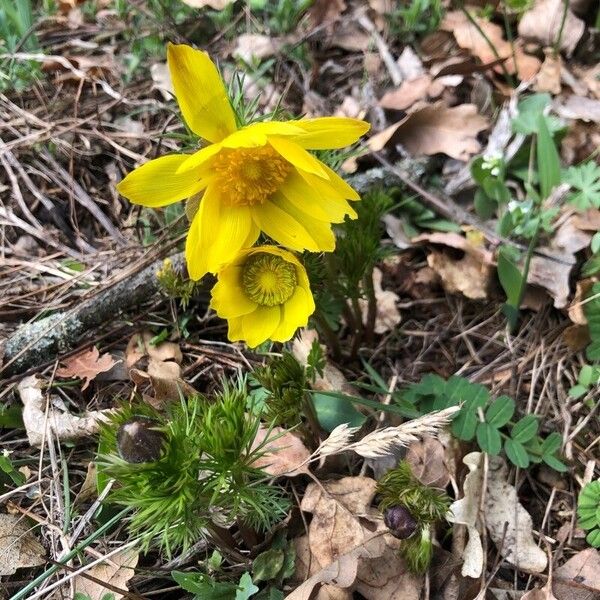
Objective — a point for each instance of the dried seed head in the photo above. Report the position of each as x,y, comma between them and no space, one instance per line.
139,440
400,522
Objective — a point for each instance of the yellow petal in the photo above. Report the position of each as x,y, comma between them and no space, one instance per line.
233,228
228,297
260,324
255,135
199,237
199,158
298,156
326,133
332,187
200,92
295,314
320,231
311,200
235,332
157,183
282,227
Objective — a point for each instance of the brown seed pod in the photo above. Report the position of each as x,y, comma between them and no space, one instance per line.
139,440
400,522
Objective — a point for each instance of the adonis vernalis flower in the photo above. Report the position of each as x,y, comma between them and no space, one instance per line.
264,294
255,178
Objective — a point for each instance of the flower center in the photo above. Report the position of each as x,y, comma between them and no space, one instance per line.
268,280
248,176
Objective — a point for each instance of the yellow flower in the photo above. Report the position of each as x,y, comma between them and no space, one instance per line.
264,294
255,178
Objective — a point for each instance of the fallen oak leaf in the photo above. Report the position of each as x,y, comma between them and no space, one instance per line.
435,129
485,40
282,452
86,365
546,22
18,546
117,572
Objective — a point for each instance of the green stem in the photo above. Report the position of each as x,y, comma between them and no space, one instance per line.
331,339
563,20
507,75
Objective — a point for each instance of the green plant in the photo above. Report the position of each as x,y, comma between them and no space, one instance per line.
531,217
341,278
588,512
205,587
485,420
410,510
416,18
16,34
415,217
282,16
585,182
187,470
589,375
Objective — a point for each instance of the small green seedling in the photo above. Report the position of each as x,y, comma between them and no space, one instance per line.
588,511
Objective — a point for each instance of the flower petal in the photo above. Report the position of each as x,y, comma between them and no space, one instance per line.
217,234
311,200
232,230
255,135
235,332
199,158
282,227
332,187
228,297
157,183
200,92
320,231
260,324
326,133
298,156
295,314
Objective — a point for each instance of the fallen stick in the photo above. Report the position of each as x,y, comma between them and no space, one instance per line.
44,340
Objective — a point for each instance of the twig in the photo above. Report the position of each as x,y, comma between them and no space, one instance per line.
46,338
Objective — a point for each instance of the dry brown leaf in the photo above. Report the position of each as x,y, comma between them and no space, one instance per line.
332,380
387,315
544,593
584,569
139,346
63,425
162,80
554,275
326,11
407,94
579,107
543,23
409,63
340,526
251,46
436,129
284,452
469,37
427,462
165,379
117,571
509,525
548,77
86,365
214,4
18,546
576,337
336,576
469,275
575,309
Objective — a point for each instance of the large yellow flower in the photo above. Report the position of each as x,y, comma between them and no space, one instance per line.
264,294
255,178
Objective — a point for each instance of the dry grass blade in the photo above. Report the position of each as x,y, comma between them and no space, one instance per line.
338,440
384,441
